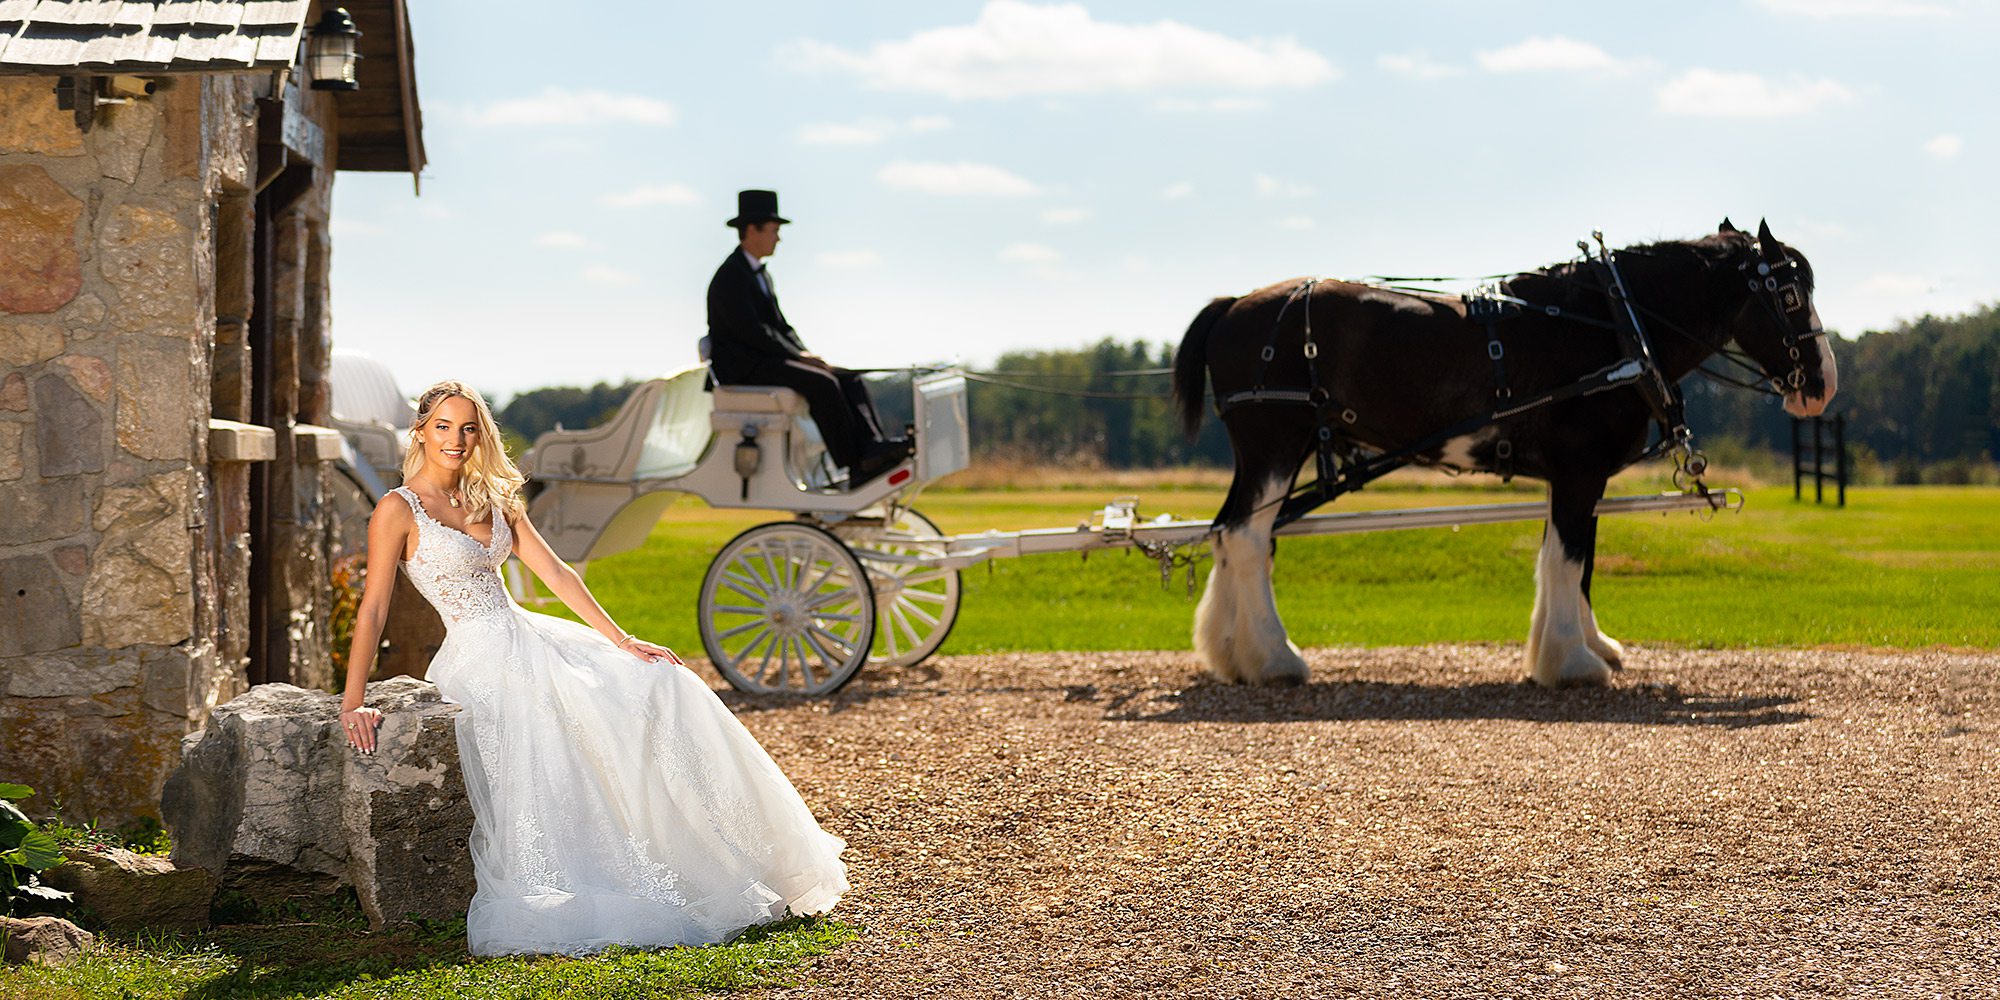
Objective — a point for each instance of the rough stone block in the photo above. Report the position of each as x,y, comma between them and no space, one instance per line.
43,940
148,257
39,613
157,398
30,122
40,510
78,675
140,587
129,892
40,268
259,790
25,342
270,797
12,463
69,430
14,392
62,745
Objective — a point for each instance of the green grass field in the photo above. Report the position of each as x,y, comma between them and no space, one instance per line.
1898,567
333,958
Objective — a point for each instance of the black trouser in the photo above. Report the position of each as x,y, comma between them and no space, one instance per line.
837,397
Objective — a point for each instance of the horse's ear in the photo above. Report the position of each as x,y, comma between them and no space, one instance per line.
1727,227
1766,240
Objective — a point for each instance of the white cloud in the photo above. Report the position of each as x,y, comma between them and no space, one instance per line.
435,211
1297,222
1945,146
867,131
849,260
647,195
605,274
1553,54
1211,105
1826,9
1712,93
1176,192
1019,49
955,179
1273,187
1031,253
562,241
1416,66
1065,216
558,106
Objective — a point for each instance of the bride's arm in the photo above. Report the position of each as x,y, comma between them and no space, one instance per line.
388,534
563,581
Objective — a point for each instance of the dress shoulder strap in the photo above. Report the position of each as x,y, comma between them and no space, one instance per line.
410,495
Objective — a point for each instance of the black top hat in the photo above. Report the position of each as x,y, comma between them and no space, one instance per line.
753,207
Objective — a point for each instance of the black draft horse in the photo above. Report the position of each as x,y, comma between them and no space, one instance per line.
1395,367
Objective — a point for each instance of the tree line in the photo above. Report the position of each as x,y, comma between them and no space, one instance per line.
1924,394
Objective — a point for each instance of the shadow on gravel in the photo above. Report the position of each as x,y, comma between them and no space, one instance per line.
1644,704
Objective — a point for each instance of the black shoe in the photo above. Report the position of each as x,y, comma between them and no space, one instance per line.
878,459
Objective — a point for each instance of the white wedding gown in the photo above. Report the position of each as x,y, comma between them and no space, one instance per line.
614,801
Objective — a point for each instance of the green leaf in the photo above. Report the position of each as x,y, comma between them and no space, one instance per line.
10,790
39,850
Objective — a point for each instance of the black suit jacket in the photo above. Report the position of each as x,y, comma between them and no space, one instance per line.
745,327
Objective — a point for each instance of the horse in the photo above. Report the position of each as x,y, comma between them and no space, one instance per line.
1352,372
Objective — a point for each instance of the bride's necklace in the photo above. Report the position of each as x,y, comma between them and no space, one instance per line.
450,496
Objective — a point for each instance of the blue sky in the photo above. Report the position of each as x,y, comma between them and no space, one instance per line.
969,178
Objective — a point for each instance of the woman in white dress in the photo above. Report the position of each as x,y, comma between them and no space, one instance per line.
615,799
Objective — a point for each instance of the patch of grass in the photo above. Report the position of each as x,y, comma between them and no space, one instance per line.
1903,567
338,961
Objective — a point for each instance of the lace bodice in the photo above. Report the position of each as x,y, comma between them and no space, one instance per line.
459,576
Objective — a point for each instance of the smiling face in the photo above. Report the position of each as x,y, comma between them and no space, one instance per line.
449,437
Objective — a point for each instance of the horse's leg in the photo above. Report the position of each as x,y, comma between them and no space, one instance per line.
1236,625
1607,648
1559,653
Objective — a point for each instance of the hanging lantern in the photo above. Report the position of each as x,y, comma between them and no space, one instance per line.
333,50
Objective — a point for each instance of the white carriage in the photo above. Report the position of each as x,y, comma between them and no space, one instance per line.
855,575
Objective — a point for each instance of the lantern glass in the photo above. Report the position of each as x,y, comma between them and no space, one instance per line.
332,52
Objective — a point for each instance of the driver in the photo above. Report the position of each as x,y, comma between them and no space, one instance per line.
751,344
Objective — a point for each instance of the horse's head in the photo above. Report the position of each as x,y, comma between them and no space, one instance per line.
1778,325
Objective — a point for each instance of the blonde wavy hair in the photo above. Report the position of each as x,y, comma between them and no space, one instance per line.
489,479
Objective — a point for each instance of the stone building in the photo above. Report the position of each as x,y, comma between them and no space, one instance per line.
165,175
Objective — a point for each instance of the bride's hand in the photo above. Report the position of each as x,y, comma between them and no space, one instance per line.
359,724
647,651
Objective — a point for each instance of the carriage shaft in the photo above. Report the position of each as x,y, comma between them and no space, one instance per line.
959,551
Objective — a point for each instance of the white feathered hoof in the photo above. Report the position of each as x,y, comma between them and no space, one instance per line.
1281,669
1579,667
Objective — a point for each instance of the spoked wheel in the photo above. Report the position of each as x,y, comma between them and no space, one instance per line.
915,605
787,609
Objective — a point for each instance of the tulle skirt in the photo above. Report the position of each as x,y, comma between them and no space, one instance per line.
617,801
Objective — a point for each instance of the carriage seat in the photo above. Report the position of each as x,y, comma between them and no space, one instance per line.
775,410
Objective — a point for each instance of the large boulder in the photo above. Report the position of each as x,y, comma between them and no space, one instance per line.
43,940
128,891
271,799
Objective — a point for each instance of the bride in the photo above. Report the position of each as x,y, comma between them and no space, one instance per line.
615,799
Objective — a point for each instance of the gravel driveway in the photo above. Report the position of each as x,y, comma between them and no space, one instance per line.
1415,822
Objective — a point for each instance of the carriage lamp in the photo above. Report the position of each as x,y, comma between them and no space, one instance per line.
333,50
748,457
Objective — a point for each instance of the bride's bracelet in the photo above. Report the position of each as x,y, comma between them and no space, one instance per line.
628,638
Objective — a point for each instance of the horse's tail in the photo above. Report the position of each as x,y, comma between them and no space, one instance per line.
1191,363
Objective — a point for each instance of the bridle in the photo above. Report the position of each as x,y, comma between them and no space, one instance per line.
1779,288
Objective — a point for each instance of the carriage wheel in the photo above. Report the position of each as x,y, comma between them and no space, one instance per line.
915,605
786,609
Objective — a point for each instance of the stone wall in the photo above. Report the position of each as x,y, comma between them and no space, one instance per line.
124,552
